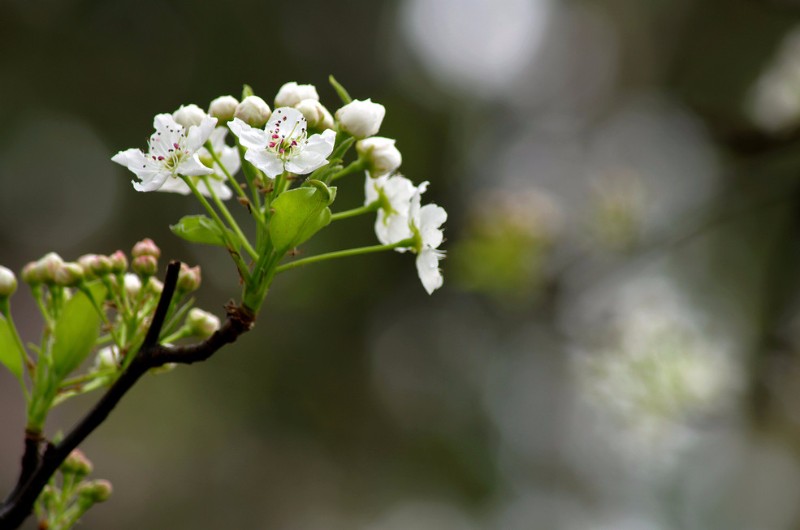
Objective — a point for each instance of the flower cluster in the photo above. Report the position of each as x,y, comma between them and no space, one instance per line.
296,149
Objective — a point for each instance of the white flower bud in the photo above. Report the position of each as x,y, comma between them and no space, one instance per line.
202,323
107,358
48,265
254,111
381,155
291,94
189,115
69,275
361,118
315,114
8,282
132,284
223,108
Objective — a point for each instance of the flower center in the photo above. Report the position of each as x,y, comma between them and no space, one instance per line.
168,150
284,142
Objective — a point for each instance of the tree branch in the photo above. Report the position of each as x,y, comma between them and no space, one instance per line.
37,472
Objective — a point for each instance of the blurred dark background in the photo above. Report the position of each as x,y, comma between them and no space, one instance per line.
617,344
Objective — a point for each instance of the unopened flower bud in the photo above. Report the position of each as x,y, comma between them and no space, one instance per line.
361,118
106,358
189,278
144,265
290,94
119,262
381,155
189,115
8,282
48,265
146,247
69,275
315,114
223,108
94,491
132,285
32,274
202,323
77,463
253,110
154,286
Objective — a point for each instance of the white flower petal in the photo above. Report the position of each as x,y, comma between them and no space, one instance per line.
153,182
132,158
428,269
192,167
431,217
289,121
222,191
305,162
175,185
199,134
321,143
266,161
249,137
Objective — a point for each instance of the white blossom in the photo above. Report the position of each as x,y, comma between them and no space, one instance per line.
394,193
381,155
172,151
290,94
361,118
284,145
426,222
229,157
253,110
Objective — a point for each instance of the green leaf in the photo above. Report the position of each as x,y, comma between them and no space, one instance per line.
202,229
10,354
300,213
76,330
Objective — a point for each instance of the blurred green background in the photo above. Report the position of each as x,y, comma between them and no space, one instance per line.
617,344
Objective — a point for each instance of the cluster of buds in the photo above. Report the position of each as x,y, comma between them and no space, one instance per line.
62,506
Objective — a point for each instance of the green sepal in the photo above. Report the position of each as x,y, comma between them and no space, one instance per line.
247,90
202,229
10,354
77,329
300,213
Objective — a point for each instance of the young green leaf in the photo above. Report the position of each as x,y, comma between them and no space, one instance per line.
201,229
76,330
299,214
10,354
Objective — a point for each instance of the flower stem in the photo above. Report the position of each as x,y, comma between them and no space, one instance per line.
356,165
371,207
239,191
240,264
5,310
344,254
229,218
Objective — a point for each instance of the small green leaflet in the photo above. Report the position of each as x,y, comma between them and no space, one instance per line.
299,214
76,330
201,229
10,354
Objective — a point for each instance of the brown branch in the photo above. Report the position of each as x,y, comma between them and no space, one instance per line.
151,354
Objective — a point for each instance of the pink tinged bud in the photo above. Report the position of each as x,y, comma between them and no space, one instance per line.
146,247
154,286
119,262
145,265
94,491
189,115
8,282
189,278
202,323
223,108
48,265
77,463
254,111
69,275
32,274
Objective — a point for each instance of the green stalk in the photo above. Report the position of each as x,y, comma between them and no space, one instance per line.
5,309
344,254
228,217
239,191
371,207
240,264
